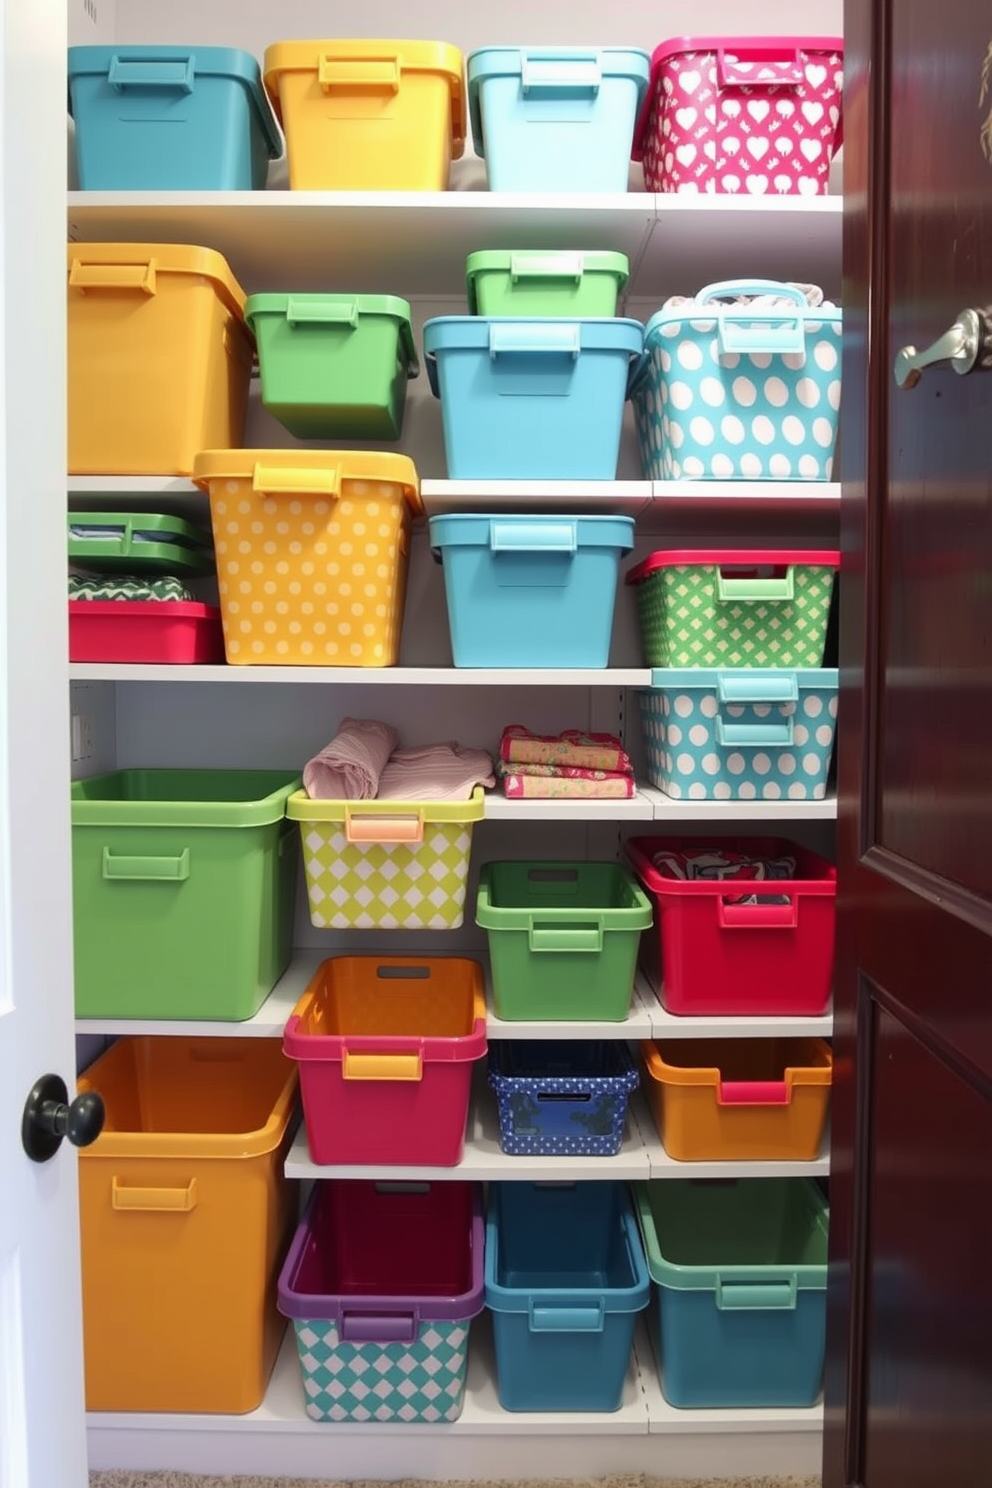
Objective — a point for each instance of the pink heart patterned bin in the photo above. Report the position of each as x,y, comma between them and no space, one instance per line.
754,116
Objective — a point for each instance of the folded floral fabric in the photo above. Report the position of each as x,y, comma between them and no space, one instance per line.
716,864
562,772
435,772
574,747
350,767
594,785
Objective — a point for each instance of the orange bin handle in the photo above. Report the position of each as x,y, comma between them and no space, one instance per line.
406,827
153,1200
140,276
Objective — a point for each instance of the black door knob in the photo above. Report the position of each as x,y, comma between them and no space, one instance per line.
49,1116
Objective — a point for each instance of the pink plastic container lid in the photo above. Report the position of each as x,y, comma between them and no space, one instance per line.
747,558
780,52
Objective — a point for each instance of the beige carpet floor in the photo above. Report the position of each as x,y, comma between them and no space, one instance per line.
186,1480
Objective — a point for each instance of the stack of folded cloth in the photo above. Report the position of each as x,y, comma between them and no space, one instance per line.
362,763
127,587
715,864
567,765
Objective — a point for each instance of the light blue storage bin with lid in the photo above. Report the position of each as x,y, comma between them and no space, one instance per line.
556,119
531,398
530,591
170,118
740,735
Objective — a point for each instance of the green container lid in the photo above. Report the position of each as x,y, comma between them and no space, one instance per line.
327,311
182,798
118,542
563,266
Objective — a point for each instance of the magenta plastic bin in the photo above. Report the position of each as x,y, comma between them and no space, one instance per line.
742,115
381,1282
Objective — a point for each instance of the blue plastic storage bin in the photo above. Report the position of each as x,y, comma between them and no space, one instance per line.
568,1098
537,399
128,101
530,591
566,1277
740,1274
556,118
740,735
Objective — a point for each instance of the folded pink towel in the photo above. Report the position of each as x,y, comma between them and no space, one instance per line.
435,772
349,768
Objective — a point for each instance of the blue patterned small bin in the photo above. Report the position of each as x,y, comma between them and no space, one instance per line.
567,1098
381,1283
738,391
740,735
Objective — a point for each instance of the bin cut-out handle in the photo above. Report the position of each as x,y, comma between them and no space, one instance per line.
778,735
307,312
546,266
153,1200
743,67
587,939
93,276
378,1327
522,338
731,586
393,1067
759,916
567,1319
160,72
752,1093
272,480
146,870
756,1296
373,74
547,77
532,537
405,827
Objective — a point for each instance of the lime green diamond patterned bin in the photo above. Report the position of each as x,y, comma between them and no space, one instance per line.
386,865
740,609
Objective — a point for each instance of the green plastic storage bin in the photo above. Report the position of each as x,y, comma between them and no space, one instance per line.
334,366
563,939
511,282
184,888
138,543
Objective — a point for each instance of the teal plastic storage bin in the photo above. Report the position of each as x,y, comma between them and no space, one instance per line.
740,1271
184,888
531,398
566,1277
334,366
743,735
530,282
530,591
556,118
563,938
163,118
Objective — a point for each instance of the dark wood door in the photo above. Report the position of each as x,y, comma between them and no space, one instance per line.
909,1373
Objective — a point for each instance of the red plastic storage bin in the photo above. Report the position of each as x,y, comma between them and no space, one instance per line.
386,1047
163,631
710,955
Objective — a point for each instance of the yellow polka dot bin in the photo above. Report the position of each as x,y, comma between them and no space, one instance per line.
312,552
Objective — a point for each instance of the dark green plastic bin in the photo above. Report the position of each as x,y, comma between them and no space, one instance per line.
334,366
184,889
563,939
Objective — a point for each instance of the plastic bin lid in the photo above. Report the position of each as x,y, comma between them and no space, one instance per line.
525,263
288,472
120,523
136,266
182,798
403,56
386,821
742,679
588,65
505,532
737,558
326,310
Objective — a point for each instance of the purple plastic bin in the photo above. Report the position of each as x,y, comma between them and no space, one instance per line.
381,1282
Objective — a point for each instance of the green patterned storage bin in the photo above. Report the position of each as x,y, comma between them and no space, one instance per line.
386,865
740,609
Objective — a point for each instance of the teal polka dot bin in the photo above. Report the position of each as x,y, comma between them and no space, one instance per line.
747,735
740,391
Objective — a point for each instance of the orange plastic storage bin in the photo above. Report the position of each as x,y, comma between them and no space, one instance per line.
375,115
185,1218
312,552
159,357
739,1100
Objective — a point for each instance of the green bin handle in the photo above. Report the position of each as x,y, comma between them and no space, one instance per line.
146,870
756,1296
585,938
322,312
729,587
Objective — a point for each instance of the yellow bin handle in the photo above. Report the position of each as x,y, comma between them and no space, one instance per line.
372,74
153,1200
141,276
382,1066
270,480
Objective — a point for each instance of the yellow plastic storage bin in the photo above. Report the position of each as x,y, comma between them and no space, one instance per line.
159,357
377,115
185,1216
739,1100
312,551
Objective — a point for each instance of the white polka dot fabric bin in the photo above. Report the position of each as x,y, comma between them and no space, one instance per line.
745,735
312,551
735,392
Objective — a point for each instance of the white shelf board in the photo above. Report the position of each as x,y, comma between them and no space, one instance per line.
638,808
667,808
666,1025
600,498
399,676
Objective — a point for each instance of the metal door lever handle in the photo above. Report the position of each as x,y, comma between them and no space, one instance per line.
966,345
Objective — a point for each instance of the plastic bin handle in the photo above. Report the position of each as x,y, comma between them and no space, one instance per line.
162,72
587,939
271,480
322,312
406,827
759,916
544,77
752,1093
753,685
153,1200
739,69
568,1319
756,1296
546,266
734,587
780,734
533,537
140,276
518,338
374,74
393,1067
146,870
378,1327
777,332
